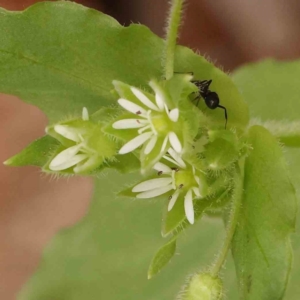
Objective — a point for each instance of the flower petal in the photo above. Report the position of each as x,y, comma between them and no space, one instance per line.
68,132
87,165
174,114
66,159
85,114
159,97
173,200
174,141
164,145
189,207
152,184
155,192
129,123
196,191
64,156
131,107
162,168
177,158
135,143
150,145
144,99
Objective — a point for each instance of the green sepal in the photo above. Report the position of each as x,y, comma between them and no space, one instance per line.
222,150
35,154
162,257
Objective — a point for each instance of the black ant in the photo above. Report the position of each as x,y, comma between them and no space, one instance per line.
211,98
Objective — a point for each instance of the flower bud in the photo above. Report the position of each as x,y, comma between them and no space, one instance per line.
203,286
84,147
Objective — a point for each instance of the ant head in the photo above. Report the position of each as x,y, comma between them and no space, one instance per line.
212,100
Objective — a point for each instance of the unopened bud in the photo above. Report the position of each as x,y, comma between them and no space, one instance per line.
203,286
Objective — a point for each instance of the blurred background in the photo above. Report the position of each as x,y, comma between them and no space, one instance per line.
34,207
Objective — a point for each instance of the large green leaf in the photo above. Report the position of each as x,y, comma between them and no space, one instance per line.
61,56
261,247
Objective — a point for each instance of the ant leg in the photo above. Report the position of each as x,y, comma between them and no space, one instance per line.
197,99
225,111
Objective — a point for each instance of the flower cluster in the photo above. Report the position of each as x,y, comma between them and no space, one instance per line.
156,125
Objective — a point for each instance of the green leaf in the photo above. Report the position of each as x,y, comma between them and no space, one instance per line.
162,257
36,154
272,90
73,57
261,246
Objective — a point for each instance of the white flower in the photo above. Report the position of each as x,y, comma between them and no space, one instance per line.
183,180
78,155
154,121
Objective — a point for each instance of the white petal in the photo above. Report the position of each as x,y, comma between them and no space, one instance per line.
144,99
155,192
177,158
85,114
173,200
174,141
188,206
164,145
162,167
150,145
159,98
67,132
72,161
64,156
83,166
152,184
135,143
131,107
128,123
196,191
67,159
174,114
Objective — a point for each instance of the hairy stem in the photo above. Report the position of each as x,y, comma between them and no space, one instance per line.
231,223
171,37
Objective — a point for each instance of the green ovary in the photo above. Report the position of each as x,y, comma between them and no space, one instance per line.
185,178
162,123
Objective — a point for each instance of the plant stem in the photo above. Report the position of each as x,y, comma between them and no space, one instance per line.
171,37
232,222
